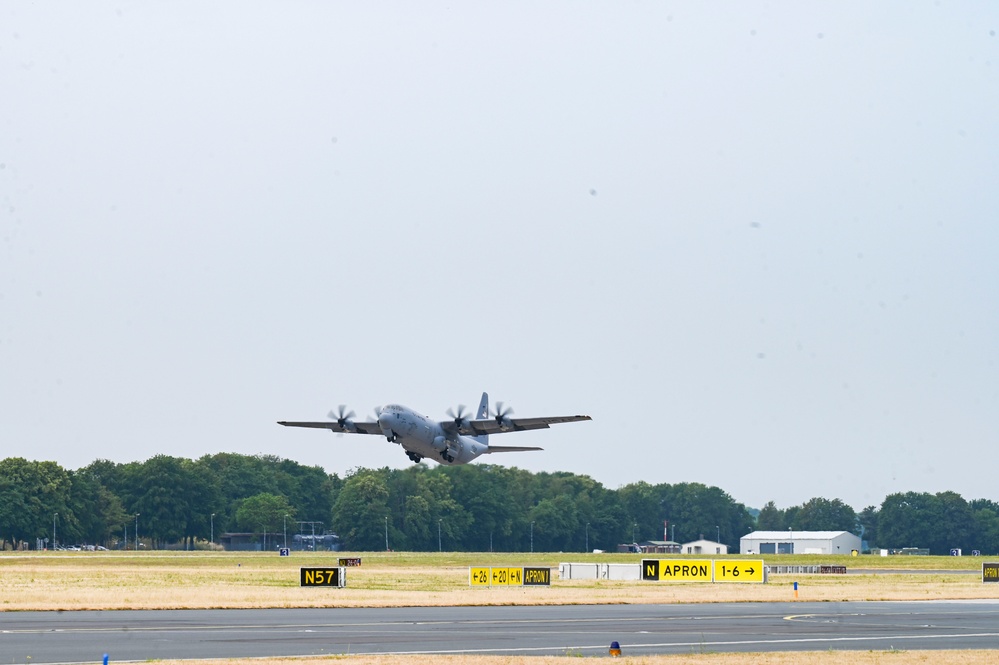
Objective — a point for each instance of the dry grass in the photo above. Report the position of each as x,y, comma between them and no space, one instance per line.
146,580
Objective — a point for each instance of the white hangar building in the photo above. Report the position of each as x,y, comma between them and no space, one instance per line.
703,547
799,542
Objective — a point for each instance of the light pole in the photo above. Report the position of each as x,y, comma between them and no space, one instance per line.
286,532
213,531
386,533
136,534
717,534
54,516
587,536
672,532
634,527
439,536
532,537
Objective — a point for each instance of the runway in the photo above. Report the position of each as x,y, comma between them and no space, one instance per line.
76,637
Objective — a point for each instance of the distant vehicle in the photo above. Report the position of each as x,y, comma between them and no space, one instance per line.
101,548
74,548
456,441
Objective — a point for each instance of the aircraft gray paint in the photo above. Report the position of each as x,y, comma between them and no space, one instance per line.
456,441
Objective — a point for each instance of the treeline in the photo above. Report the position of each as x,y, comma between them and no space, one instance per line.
180,502
938,522
169,499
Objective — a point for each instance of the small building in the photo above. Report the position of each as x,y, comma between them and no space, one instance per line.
659,547
703,546
651,547
799,542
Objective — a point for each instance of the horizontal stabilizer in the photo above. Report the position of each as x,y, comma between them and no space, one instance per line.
511,449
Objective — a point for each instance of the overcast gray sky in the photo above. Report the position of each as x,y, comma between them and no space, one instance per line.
757,242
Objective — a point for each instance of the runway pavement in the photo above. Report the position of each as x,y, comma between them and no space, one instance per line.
74,637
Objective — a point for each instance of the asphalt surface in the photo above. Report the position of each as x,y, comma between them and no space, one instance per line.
78,637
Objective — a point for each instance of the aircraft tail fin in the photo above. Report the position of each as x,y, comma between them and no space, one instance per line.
481,414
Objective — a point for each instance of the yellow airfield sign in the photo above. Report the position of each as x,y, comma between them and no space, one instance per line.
508,576
490,576
738,571
703,570
677,570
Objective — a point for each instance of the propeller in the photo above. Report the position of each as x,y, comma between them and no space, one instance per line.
460,421
342,418
503,416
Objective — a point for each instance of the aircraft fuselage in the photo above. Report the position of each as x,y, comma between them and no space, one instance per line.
422,437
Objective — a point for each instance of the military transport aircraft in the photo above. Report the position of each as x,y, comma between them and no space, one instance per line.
456,441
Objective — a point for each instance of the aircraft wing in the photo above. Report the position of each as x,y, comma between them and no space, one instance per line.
492,426
350,428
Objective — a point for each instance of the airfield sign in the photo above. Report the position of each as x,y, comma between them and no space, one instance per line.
704,570
519,576
739,571
323,577
676,570
507,576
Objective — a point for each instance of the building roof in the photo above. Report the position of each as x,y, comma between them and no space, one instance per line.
795,535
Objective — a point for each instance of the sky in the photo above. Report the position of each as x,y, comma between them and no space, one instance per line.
757,242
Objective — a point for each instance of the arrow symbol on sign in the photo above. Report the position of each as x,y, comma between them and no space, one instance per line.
750,570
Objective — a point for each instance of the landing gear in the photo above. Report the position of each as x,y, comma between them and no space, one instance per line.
446,456
416,457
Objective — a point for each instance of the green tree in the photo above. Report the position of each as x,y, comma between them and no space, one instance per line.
31,493
868,521
361,512
986,516
702,511
771,518
556,524
264,513
918,519
955,523
820,514
172,497
309,489
483,490
642,505
97,511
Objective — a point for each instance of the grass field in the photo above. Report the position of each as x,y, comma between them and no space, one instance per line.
204,580
196,580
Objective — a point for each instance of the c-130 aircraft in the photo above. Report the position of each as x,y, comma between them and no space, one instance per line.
456,441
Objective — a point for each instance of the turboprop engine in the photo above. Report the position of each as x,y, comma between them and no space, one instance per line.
449,450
